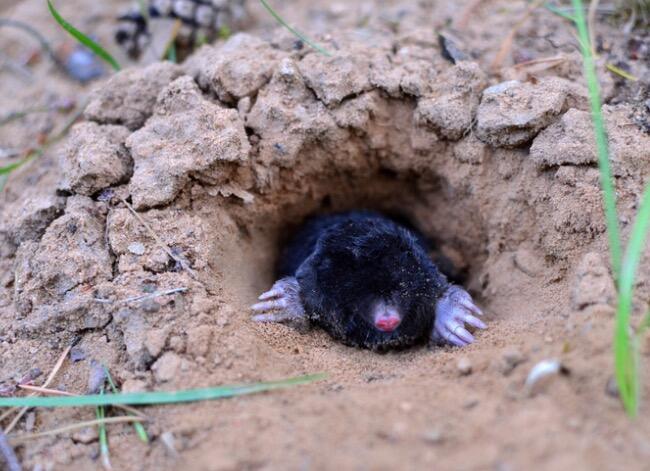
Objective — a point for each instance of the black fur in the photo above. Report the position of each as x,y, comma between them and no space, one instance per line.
346,262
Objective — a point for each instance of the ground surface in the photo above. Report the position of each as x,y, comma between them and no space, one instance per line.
223,154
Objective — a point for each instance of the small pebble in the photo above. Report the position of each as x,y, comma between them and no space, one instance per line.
150,305
541,373
83,65
134,386
77,354
574,423
611,388
86,435
470,404
433,436
464,366
136,248
169,441
96,377
510,358
166,367
30,421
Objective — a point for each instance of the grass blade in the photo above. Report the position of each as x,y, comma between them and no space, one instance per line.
151,398
295,32
560,12
625,355
7,169
82,38
139,428
100,411
606,181
621,72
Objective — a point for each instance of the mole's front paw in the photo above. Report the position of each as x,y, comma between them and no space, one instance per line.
281,303
453,311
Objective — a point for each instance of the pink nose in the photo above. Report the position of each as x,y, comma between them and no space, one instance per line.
387,324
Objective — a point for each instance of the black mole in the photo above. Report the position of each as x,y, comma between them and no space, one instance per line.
368,281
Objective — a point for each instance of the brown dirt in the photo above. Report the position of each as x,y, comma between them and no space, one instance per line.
225,153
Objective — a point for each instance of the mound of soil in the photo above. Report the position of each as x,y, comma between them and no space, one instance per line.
190,176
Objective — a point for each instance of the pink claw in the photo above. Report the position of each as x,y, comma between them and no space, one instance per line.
281,303
453,310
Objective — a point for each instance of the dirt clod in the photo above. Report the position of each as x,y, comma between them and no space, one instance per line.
95,158
512,113
166,367
593,283
464,366
128,98
184,125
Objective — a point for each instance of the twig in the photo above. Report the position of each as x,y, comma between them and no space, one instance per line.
543,60
160,243
69,428
621,72
36,35
143,297
47,382
466,14
506,44
8,454
294,31
15,67
56,392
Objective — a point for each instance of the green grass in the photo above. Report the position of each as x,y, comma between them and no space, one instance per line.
153,398
139,428
295,32
626,346
83,39
100,412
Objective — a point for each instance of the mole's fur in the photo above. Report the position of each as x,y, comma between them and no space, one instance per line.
369,282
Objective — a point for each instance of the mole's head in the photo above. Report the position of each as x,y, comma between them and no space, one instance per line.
377,283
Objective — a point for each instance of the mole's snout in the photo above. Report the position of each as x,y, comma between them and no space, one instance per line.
386,318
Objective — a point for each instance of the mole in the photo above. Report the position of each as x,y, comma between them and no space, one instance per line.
368,281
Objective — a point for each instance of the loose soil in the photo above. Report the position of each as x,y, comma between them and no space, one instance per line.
222,155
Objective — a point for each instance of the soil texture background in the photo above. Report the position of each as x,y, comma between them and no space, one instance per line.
188,177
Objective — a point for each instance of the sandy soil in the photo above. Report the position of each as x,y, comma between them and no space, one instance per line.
223,155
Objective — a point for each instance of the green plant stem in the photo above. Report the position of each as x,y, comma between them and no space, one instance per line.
295,32
606,180
139,428
83,39
100,412
45,46
626,352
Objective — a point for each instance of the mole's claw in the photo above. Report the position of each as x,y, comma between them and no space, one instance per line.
455,340
459,331
473,321
453,310
272,305
281,303
267,318
470,306
272,293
